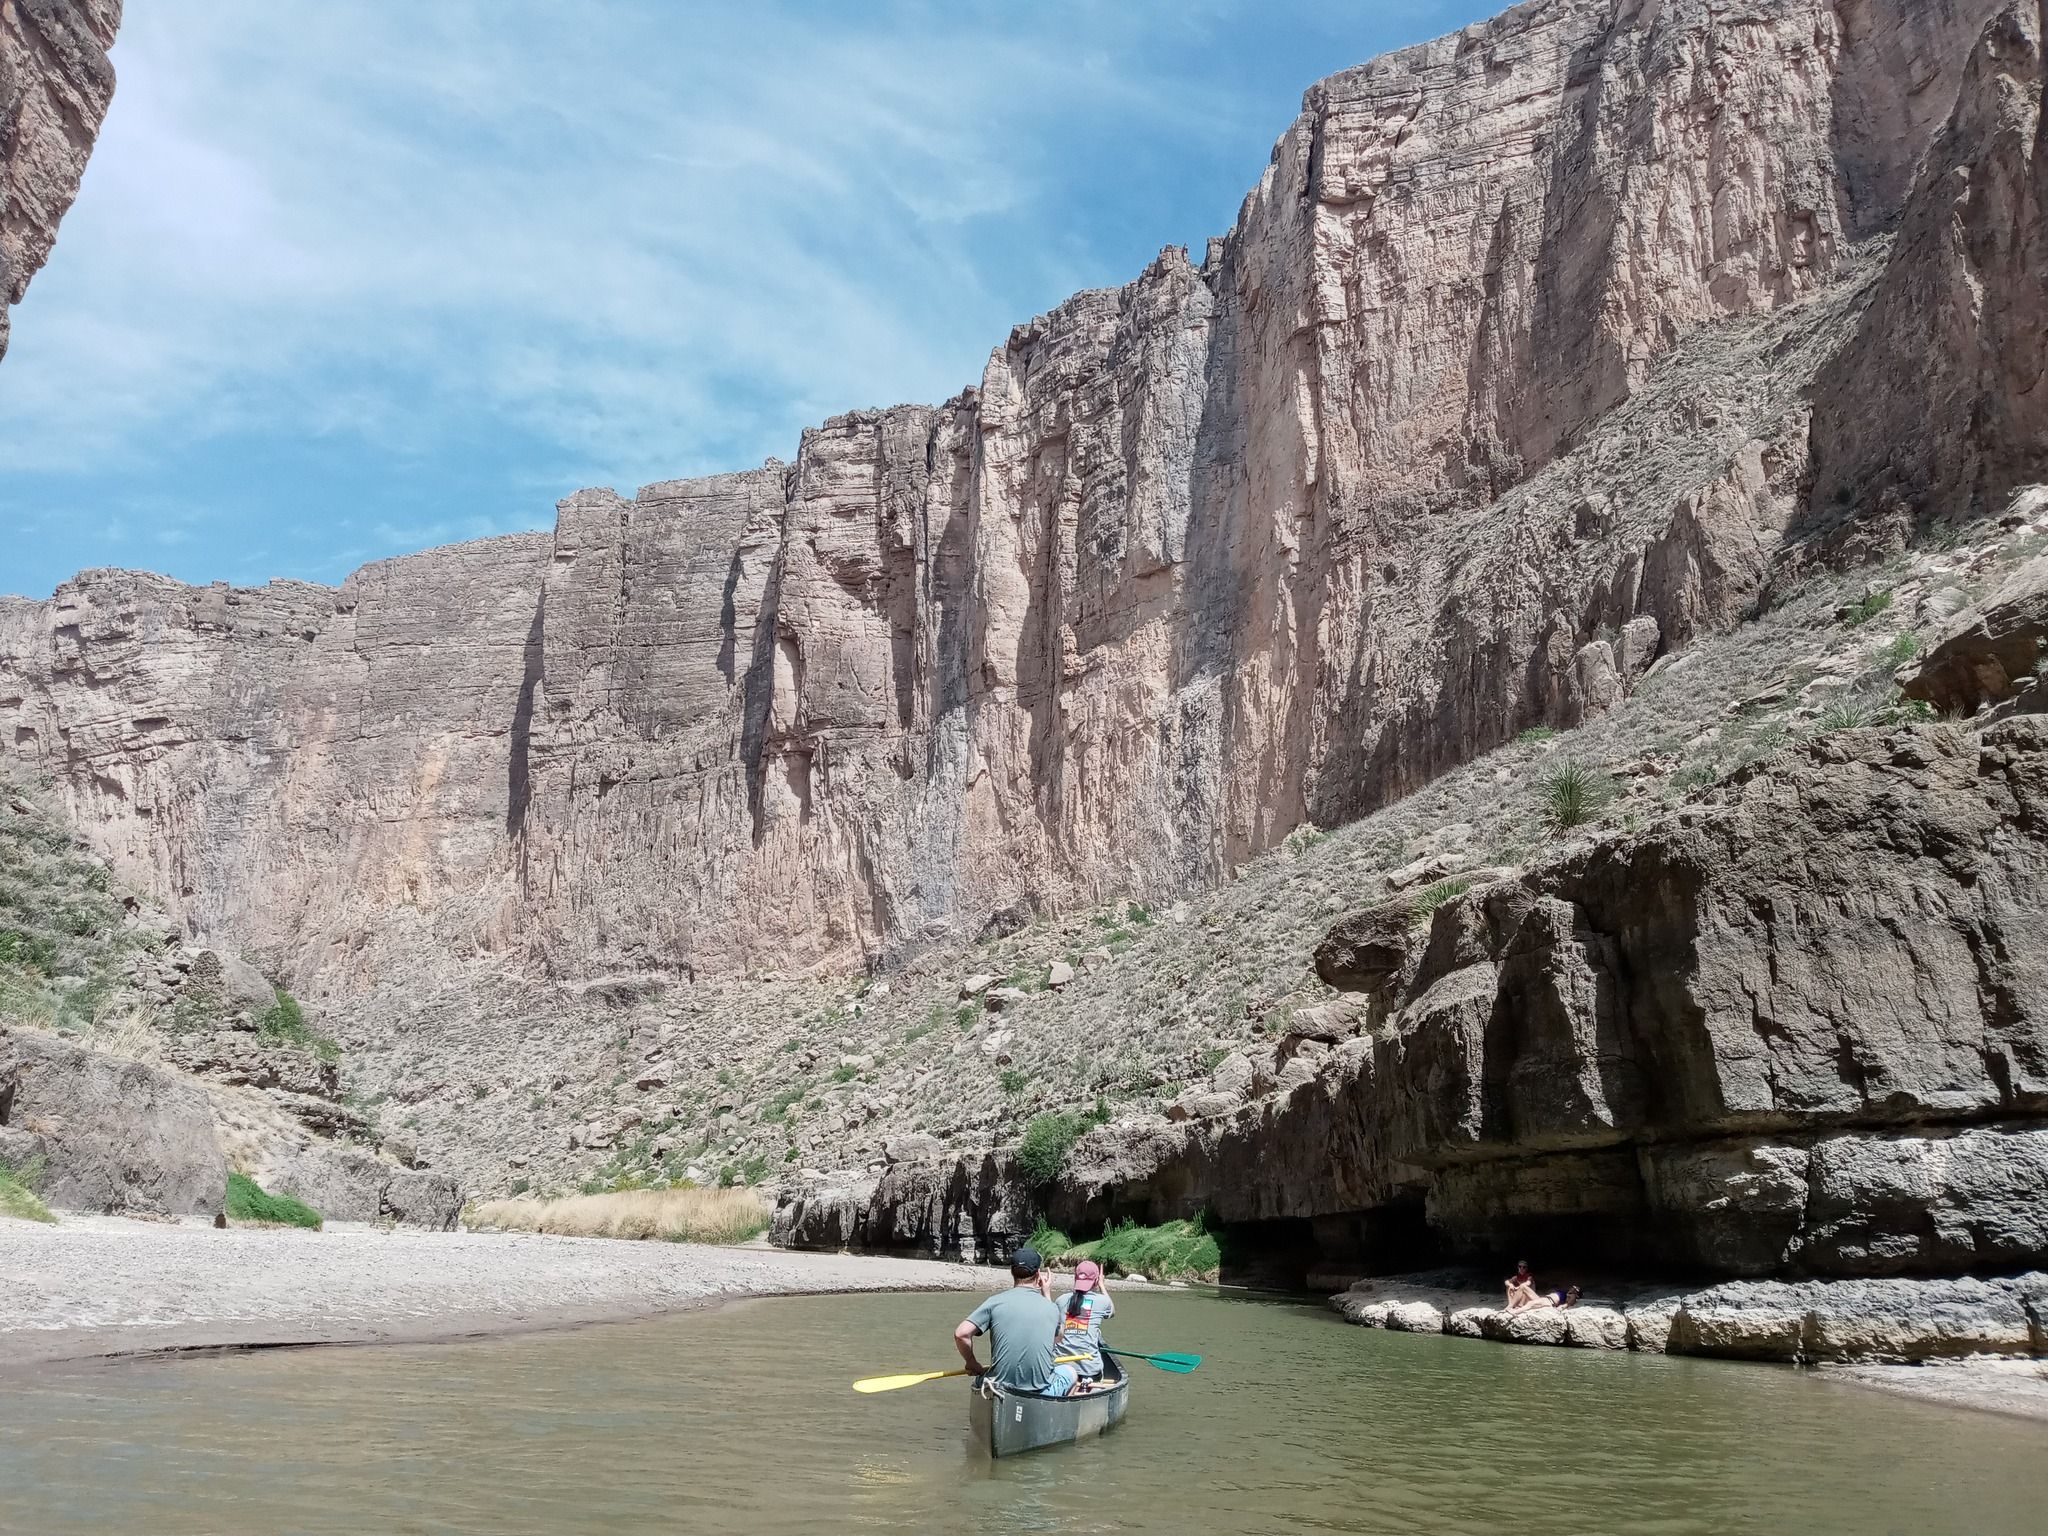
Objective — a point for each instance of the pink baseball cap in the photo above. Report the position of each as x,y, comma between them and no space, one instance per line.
1087,1275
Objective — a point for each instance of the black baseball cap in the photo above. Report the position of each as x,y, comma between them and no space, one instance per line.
1025,1263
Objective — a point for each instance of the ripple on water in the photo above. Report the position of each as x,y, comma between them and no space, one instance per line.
741,1420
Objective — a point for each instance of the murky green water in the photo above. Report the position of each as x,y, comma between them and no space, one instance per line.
741,1420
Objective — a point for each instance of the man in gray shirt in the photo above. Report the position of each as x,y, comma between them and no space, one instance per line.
1024,1324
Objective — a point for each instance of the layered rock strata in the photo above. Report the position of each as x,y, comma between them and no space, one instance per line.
55,85
1796,1027
1252,541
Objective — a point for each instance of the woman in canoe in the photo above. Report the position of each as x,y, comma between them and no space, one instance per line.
1083,1311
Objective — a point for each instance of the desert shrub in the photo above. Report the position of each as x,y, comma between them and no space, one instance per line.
1847,714
247,1201
1904,647
18,1194
1013,1081
845,1074
1302,839
30,951
1047,1140
680,1215
777,1108
968,1014
1572,796
1426,903
1537,733
284,1023
1913,712
1868,607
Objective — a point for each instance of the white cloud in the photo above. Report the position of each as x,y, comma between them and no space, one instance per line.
640,240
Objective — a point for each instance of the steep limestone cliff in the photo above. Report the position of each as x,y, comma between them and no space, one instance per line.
1261,540
55,85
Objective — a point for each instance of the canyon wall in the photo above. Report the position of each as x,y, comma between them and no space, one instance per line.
1254,541
55,86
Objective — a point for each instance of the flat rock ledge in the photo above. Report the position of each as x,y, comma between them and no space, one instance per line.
1813,1322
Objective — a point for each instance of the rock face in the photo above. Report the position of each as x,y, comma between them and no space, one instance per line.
115,1135
1935,409
55,85
1509,347
1796,1027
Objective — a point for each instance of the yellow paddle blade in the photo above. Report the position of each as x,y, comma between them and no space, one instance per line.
891,1383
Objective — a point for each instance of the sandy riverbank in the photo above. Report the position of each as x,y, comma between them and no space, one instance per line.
99,1287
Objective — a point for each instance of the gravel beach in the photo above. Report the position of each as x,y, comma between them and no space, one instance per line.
103,1286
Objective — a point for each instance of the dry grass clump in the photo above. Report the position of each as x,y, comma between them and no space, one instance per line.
674,1215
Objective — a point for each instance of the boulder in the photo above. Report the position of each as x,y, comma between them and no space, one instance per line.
344,1184
1370,950
1636,650
116,1135
1468,1322
977,984
1059,974
1986,654
914,1148
230,980
1595,1327
1233,1075
1596,686
1413,1317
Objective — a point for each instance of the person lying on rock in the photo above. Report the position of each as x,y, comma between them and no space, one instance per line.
1023,1326
1521,1287
1083,1311
1538,1301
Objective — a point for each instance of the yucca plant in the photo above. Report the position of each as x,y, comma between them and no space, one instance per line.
1572,796
1845,715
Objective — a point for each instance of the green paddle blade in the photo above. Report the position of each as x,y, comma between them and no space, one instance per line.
1180,1364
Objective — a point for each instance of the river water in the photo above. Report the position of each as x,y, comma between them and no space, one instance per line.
741,1419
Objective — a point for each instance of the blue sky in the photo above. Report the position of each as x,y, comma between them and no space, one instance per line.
351,279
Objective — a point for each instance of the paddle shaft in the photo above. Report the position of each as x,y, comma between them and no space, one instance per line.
897,1383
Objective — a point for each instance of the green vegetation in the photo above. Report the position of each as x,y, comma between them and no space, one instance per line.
1572,796
1868,607
1904,647
1013,1081
968,1014
64,941
1302,839
1174,1250
1047,1141
1537,733
248,1202
284,1023
845,1074
776,1110
1846,714
17,1191
1428,901
1050,1241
